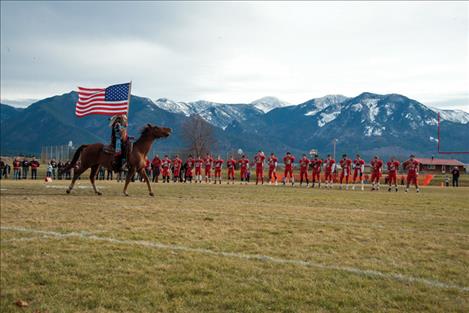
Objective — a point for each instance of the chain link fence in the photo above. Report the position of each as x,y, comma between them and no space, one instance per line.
58,153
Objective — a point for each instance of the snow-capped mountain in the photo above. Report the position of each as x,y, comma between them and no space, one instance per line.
456,116
368,123
217,114
267,104
174,107
315,105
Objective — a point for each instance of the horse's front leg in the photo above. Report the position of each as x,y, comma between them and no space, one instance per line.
143,174
130,174
76,174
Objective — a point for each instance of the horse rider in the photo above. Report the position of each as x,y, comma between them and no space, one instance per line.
119,140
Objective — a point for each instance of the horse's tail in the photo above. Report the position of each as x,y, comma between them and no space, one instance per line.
75,158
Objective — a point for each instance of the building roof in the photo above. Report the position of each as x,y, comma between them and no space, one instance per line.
434,161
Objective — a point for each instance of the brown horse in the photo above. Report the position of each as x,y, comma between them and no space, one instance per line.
93,156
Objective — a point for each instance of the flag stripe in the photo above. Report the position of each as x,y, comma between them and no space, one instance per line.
95,99
104,112
91,94
86,97
102,103
90,89
107,101
99,107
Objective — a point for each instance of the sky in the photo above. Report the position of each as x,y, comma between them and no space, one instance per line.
237,52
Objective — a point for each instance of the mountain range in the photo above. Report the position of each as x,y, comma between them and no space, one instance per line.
369,123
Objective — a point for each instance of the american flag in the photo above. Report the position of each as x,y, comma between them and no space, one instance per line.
107,101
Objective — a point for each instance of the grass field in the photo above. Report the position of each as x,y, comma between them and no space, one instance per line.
206,248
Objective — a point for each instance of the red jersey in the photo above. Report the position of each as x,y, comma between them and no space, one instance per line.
393,167
190,162
34,164
259,160
231,163
346,165
147,164
208,162
156,162
244,163
177,163
304,164
412,167
376,165
16,164
165,163
358,165
218,163
330,164
288,160
316,165
198,163
273,162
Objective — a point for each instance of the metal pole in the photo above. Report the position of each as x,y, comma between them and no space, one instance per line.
128,102
438,132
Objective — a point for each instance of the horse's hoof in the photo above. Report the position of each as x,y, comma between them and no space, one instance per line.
99,193
152,194
126,194
68,191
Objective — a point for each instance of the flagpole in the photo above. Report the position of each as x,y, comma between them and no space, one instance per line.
128,100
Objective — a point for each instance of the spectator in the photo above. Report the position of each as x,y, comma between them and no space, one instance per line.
17,169
109,175
53,163
455,173
101,173
2,168
68,173
60,167
34,165
49,170
25,168
446,181
6,171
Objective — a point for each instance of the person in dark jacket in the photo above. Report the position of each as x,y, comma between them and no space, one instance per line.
34,165
109,175
455,173
68,173
2,168
6,171
60,167
25,168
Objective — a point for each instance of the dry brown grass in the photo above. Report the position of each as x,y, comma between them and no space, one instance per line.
416,235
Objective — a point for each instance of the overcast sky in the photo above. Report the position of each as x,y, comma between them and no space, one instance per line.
237,52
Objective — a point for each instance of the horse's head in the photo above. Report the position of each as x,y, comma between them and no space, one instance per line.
158,132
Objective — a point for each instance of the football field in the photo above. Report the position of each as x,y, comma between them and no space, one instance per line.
232,248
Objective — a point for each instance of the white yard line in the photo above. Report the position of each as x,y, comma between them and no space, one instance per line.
77,186
257,257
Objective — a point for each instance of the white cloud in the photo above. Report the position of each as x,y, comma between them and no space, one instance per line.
237,51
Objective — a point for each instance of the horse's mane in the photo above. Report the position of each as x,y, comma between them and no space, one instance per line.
145,130
143,133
